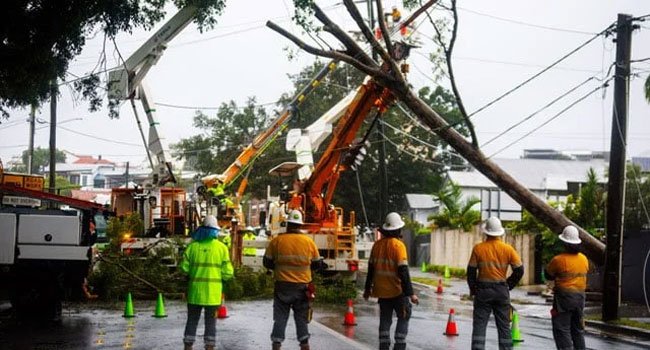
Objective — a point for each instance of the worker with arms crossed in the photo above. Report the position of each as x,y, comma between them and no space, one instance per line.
292,256
569,270
207,262
490,288
388,280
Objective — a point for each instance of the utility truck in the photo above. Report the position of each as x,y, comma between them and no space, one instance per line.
45,251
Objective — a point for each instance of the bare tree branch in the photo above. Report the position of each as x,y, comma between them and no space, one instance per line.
384,30
348,42
372,71
418,12
448,51
388,60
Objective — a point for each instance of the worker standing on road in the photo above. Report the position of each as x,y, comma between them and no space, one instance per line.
207,262
388,279
569,270
491,288
292,256
249,235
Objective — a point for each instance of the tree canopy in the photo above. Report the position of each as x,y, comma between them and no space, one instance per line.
38,39
40,160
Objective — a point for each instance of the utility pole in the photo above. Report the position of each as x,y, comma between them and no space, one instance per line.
616,182
53,91
30,149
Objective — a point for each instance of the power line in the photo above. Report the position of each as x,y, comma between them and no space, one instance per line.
557,29
605,84
99,138
520,85
538,111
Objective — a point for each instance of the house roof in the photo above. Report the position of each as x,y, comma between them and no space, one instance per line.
536,174
420,201
84,159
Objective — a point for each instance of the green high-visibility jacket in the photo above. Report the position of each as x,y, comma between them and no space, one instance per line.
207,263
249,236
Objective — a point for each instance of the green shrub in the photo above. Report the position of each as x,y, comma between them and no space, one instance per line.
334,290
249,284
440,269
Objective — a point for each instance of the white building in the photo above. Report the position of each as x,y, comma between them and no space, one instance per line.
549,179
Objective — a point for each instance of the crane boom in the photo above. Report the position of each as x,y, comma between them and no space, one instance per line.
266,138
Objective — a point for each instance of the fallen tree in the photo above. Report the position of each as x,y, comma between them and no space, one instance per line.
388,74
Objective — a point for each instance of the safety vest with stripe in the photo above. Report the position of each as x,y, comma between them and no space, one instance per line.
492,258
570,272
207,263
292,254
386,256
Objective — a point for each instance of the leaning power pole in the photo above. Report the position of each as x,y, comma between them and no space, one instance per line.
616,182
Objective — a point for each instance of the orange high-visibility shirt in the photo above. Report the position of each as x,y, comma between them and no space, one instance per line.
492,259
292,254
570,272
386,256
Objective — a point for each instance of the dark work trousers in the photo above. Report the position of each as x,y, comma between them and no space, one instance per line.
401,306
491,298
288,296
568,323
193,316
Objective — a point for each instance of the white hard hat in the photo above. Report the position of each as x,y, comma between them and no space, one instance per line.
249,229
295,217
493,227
570,235
211,221
393,222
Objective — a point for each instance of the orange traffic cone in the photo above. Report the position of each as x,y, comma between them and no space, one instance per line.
349,319
451,325
222,312
439,290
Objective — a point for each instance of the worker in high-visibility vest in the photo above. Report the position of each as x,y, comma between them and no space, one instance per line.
388,279
207,263
569,270
490,287
292,256
249,235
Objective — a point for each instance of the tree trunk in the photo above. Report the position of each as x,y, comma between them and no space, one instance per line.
549,216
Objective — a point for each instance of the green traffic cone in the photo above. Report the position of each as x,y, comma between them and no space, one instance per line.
447,274
516,333
160,307
128,307
424,267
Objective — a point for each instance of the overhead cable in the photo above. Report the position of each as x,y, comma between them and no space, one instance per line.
557,29
538,111
553,117
520,85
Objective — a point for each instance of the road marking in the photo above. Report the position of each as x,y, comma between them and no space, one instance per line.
340,336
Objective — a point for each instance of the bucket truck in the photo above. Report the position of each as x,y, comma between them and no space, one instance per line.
162,208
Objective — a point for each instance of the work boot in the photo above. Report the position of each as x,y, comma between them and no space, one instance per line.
304,346
276,346
209,347
399,346
187,346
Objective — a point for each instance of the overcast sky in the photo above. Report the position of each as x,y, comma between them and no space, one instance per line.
501,43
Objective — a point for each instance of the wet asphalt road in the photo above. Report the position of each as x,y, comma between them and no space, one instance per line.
101,326
95,326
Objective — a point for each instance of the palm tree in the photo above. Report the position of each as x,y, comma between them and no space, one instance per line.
456,213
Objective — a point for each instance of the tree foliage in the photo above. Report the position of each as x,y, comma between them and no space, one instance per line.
455,213
38,39
587,208
637,199
40,160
